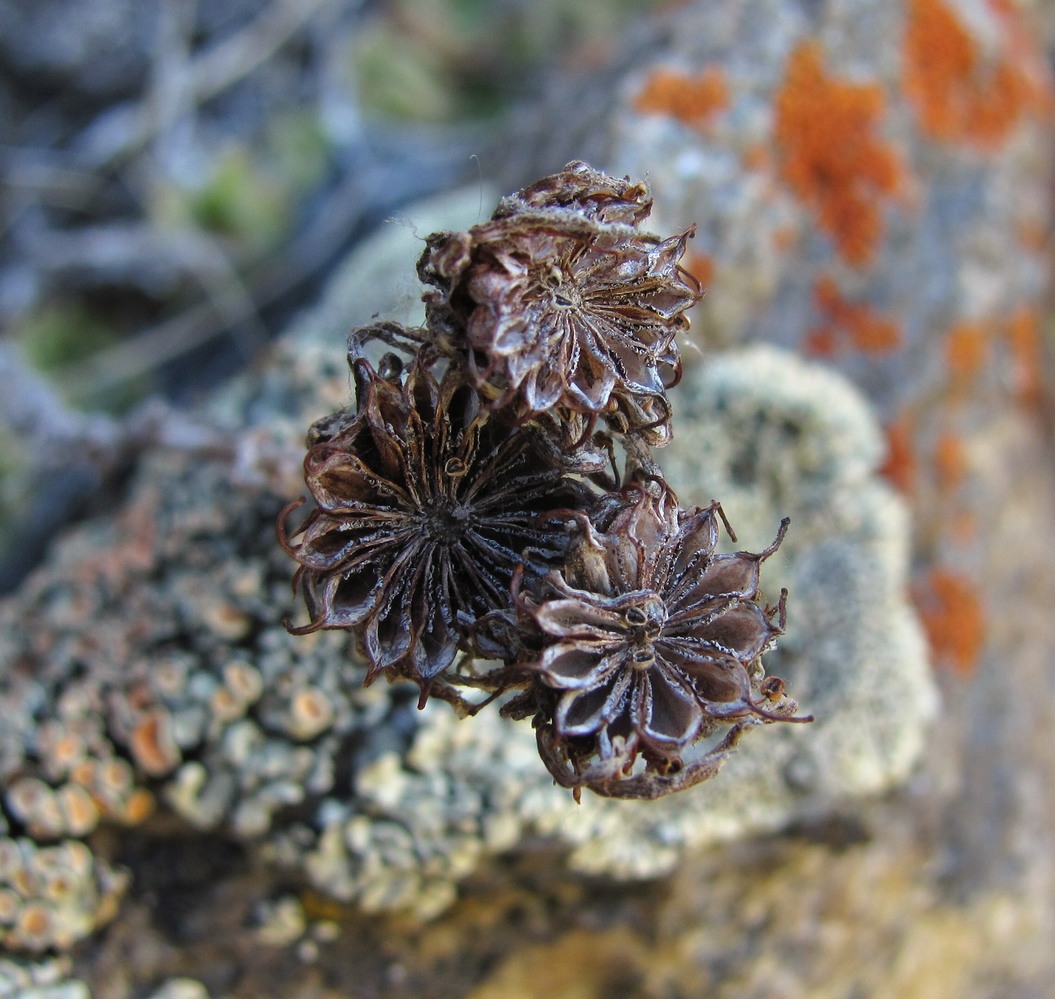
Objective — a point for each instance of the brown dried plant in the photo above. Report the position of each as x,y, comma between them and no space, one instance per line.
424,506
650,640
560,301
468,506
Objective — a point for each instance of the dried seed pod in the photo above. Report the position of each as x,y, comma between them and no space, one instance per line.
560,301
425,504
650,639
446,500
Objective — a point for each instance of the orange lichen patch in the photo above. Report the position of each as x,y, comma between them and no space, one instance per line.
138,808
1022,334
66,751
966,351
900,467
858,325
1030,58
953,618
962,527
33,927
873,333
700,266
950,462
1034,236
820,342
961,93
831,155
79,812
311,713
694,100
153,745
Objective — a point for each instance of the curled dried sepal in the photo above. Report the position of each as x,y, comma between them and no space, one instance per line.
612,778
560,302
424,505
581,188
649,640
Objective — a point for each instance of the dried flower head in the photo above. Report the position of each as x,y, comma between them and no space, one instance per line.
560,301
425,504
456,517
651,640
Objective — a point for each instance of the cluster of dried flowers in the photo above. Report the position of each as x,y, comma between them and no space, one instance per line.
472,525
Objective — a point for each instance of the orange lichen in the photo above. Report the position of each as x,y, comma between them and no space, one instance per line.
831,155
820,342
139,807
1023,50
858,325
953,618
694,100
900,467
966,351
1033,235
962,527
950,462
1022,334
871,332
961,93
153,745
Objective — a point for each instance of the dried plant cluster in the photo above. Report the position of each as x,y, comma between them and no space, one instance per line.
473,524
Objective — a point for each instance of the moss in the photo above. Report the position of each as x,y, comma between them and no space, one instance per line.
298,151
240,201
59,336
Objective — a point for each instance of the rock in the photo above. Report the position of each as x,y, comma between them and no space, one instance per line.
918,824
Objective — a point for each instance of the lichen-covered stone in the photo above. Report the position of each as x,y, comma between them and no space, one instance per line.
822,171
211,719
180,988
773,434
144,668
51,897
43,979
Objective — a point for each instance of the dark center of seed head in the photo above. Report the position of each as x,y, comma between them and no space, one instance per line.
444,522
563,289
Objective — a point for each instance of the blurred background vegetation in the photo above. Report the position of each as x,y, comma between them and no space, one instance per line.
180,177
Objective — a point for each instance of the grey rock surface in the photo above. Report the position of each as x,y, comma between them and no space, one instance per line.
157,708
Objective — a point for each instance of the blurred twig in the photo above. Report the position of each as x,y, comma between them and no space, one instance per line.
122,131
375,184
